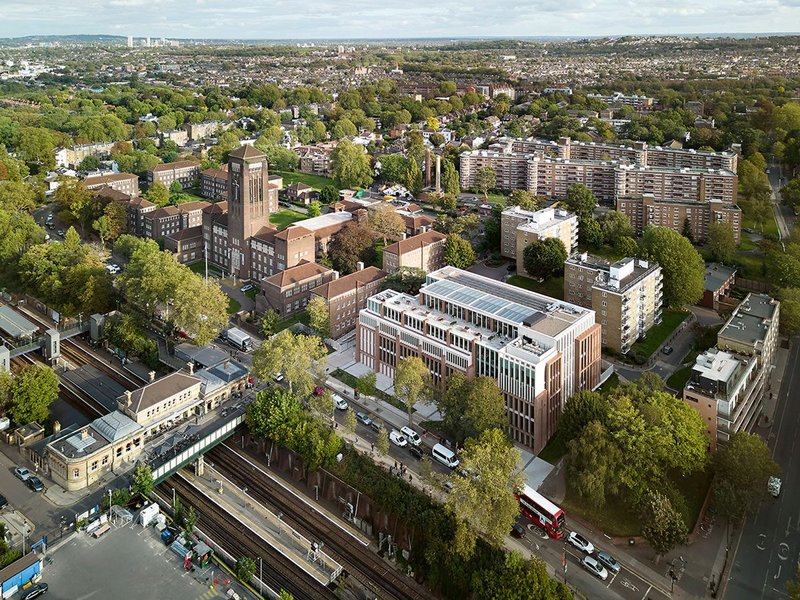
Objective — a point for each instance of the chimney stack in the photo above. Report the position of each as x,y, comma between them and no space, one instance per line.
128,398
359,266
152,375
190,366
335,275
438,174
403,235
427,166
56,427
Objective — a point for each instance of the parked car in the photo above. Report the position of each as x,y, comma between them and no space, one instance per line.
278,377
608,561
411,436
363,418
35,484
60,232
50,225
518,531
667,350
339,402
22,473
580,542
397,438
595,568
35,591
774,486
415,452
377,426
246,288
3,502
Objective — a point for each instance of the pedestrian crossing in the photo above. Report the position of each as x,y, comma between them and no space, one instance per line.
209,594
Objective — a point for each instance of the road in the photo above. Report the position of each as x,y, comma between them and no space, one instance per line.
769,547
783,215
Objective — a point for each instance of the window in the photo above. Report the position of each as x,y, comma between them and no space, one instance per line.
105,460
76,473
94,465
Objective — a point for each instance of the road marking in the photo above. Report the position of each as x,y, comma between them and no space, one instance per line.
762,538
783,547
647,592
629,585
788,527
613,577
778,574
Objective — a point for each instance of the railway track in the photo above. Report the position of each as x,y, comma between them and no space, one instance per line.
238,540
363,564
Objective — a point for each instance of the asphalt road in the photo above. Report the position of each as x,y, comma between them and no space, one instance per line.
769,547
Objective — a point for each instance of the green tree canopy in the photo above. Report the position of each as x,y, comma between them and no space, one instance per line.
319,316
721,242
485,180
662,526
300,358
458,252
581,201
543,258
32,392
351,166
681,265
412,383
470,407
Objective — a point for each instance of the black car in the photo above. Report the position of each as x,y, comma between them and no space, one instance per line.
3,502
35,591
35,484
518,531
415,452
666,350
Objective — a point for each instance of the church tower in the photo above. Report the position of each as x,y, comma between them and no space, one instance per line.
249,204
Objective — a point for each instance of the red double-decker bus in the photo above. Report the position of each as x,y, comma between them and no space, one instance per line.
541,511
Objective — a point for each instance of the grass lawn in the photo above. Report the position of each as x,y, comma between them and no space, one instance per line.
770,226
751,266
553,287
233,306
200,269
555,449
610,383
746,243
286,323
678,379
693,488
283,218
670,320
315,181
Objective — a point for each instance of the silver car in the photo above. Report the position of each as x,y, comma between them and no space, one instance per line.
608,561
594,567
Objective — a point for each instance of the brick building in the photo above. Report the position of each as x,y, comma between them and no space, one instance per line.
127,183
184,172
346,296
423,251
288,292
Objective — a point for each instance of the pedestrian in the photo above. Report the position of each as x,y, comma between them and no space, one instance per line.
395,464
373,447
410,478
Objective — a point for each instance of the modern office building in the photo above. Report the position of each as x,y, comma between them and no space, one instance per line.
728,383
539,350
626,295
519,227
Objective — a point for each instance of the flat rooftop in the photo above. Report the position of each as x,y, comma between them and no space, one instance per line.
14,324
750,321
716,365
315,223
716,275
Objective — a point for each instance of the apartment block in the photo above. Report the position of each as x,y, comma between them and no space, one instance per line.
538,349
184,172
187,244
510,168
127,183
424,251
214,183
346,296
288,292
646,210
683,185
626,296
728,382
519,227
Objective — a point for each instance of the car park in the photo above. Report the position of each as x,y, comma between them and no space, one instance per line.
397,438
415,452
34,591
608,561
594,567
22,473
35,484
580,542
339,402
518,531
363,418
411,436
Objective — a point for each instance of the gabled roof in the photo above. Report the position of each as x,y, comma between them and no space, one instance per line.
160,389
216,208
414,242
178,164
246,151
297,274
216,173
185,234
345,284
293,233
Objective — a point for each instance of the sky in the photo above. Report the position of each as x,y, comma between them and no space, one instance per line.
332,19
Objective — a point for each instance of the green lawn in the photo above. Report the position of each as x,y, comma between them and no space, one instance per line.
670,320
770,225
555,449
301,317
283,218
315,181
553,287
746,243
200,269
678,379
609,384
233,306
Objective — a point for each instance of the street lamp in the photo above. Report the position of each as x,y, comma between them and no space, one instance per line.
109,502
260,577
173,498
62,523
25,533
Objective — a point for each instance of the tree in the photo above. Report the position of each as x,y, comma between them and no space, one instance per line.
351,166
543,258
33,390
790,310
742,468
382,443
581,201
662,526
175,187
412,383
143,482
518,578
615,225
328,194
17,195
681,265
189,522
790,194
365,384
413,177
450,180
73,197
626,246
721,242
268,322
355,243
158,194
485,180
406,279
284,595
524,199
300,358
593,463
470,407
385,221
314,209
393,168
6,383
201,307
245,569
319,316
484,502
581,408
458,252
350,421
686,230
36,145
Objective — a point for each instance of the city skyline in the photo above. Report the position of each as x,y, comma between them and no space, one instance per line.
325,19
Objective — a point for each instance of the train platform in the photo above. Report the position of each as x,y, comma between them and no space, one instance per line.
267,525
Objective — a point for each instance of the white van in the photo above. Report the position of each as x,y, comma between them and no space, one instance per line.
411,435
445,456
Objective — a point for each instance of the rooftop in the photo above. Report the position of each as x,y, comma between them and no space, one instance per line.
247,152
618,276
346,284
717,275
716,365
316,223
414,242
750,321
160,389
294,275
14,324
